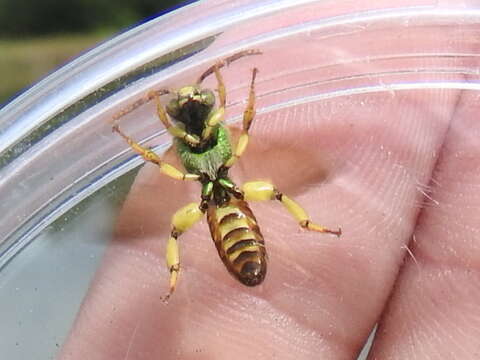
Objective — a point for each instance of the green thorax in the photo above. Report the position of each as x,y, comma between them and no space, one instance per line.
211,159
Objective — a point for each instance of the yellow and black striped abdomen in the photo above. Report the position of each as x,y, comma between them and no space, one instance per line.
239,241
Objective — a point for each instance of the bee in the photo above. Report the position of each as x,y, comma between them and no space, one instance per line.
203,144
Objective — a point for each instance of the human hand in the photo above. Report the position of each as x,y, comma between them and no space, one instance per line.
408,181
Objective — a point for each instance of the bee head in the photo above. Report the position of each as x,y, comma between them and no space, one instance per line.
191,107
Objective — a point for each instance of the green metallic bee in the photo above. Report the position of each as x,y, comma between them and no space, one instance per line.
204,147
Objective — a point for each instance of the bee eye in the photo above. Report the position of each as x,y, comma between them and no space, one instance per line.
173,108
208,98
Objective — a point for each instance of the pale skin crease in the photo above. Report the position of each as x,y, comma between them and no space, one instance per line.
322,294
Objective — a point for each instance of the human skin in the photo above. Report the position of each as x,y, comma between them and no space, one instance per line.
397,170
389,180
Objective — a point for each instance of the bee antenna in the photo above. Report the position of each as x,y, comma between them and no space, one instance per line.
143,100
227,61
154,93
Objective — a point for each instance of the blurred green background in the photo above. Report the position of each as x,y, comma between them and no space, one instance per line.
36,37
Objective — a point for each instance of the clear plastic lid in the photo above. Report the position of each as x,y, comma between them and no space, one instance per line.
325,71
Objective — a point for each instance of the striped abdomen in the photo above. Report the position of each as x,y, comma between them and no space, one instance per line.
239,242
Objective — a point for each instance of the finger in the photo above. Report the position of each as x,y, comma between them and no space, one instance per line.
434,311
322,295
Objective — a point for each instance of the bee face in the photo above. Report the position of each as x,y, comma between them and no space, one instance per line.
192,102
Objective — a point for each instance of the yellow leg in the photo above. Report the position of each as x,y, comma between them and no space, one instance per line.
173,129
216,116
262,190
213,119
150,156
248,116
182,220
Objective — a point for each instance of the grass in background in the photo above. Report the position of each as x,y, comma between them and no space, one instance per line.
24,62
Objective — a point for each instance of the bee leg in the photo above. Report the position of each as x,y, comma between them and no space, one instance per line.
182,220
216,116
248,116
149,155
173,129
262,190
